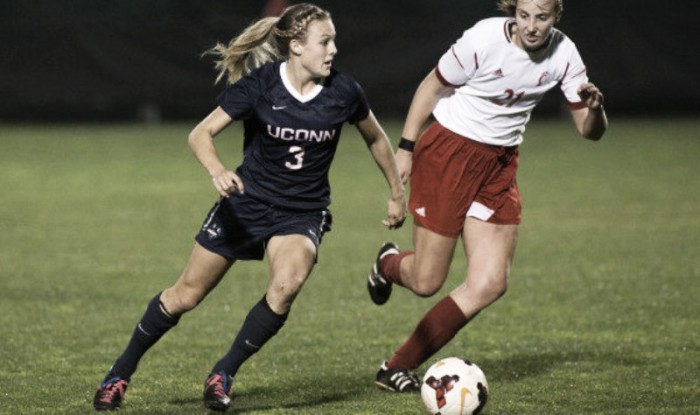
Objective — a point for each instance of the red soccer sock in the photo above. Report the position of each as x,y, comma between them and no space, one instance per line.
439,325
391,266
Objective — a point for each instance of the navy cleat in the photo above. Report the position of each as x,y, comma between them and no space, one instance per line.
378,286
110,394
397,380
217,391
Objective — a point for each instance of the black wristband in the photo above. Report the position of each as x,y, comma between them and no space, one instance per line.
407,144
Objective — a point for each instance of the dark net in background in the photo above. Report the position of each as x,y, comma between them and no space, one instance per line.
96,60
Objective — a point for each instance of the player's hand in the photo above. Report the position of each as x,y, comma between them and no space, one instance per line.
591,95
227,182
397,210
404,161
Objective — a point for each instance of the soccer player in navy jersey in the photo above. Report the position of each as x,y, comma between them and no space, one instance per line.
463,171
292,104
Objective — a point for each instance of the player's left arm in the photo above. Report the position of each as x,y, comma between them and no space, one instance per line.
380,148
590,119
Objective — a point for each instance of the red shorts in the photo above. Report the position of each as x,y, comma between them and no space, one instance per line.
454,177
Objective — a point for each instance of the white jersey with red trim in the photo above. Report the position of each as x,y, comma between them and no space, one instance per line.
498,84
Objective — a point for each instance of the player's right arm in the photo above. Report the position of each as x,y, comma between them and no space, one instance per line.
424,101
201,141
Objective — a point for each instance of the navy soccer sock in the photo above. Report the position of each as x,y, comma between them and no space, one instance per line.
156,321
260,325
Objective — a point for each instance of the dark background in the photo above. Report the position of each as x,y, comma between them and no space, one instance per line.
124,60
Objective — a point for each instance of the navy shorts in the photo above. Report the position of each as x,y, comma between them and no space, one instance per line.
239,227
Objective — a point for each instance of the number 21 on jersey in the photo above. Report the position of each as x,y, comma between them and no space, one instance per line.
511,98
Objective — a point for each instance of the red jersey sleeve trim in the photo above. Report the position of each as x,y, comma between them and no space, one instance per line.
456,57
583,71
444,81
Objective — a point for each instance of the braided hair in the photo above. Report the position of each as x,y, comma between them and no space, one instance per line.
266,40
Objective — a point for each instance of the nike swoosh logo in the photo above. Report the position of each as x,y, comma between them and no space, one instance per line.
144,331
251,344
464,394
275,107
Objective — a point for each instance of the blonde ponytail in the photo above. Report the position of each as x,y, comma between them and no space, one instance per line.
254,47
264,41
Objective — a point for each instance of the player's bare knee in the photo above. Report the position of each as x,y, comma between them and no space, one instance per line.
187,298
500,289
288,287
493,289
426,289
426,284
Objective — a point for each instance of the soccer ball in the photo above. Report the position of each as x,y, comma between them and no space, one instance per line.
454,386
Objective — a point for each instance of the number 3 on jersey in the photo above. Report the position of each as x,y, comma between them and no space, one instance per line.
298,153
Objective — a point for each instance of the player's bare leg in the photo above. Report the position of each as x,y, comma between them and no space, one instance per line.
489,249
422,271
291,259
203,272
425,272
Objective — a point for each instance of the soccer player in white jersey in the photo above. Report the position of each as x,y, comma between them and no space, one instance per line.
463,169
292,104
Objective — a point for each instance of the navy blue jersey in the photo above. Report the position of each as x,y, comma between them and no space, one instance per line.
290,140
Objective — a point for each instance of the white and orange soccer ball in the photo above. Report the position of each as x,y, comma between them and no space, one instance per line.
454,386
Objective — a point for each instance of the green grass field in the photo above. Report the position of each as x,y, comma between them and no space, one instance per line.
602,315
